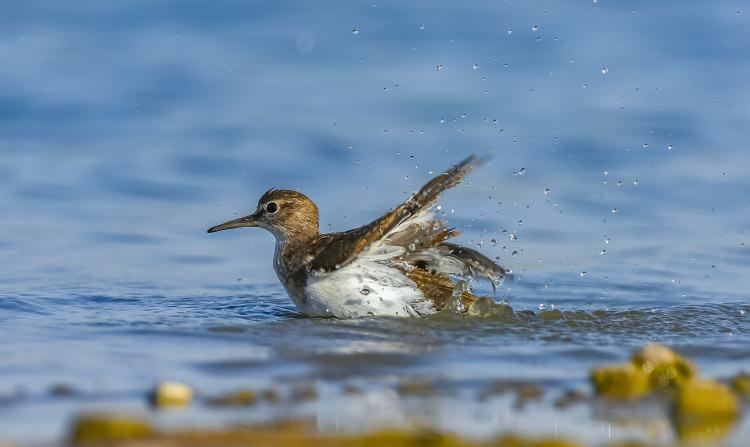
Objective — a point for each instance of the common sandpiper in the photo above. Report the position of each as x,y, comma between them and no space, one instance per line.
397,265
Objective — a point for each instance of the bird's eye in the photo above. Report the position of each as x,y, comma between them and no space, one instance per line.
272,207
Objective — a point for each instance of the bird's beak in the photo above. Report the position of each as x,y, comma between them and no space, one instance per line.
247,221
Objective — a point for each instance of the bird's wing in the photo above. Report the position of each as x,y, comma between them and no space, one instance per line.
343,248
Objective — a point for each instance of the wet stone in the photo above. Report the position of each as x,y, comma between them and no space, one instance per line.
170,395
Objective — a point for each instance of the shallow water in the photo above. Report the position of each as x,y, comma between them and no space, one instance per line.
619,136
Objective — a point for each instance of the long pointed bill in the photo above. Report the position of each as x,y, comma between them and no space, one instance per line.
247,221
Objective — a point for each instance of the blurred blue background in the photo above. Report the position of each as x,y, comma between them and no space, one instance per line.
618,132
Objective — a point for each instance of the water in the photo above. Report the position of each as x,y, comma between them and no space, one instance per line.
127,130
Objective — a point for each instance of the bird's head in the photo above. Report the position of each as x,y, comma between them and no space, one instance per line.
285,213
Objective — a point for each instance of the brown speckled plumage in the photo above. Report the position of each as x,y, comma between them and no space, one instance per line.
302,252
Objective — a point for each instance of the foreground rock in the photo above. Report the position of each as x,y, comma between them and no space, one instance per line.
701,409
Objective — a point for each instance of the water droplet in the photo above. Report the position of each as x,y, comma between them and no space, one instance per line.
606,173
605,70
619,183
645,145
670,147
606,240
476,66
365,291
442,120
355,31
421,27
535,28
515,253
547,191
493,242
584,273
603,252
439,207
463,115
615,211
510,31
585,85
635,182
438,67
542,306
513,236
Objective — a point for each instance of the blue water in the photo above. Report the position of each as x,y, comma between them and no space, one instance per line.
619,139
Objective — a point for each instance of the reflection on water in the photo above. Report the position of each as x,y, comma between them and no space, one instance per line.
127,130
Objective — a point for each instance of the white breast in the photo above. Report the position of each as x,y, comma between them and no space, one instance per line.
361,288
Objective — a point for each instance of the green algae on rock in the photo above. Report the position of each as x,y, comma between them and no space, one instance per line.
651,368
704,409
664,367
106,429
620,381
289,434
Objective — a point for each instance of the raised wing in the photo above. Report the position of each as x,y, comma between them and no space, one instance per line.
346,246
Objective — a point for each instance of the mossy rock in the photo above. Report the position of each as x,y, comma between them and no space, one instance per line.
486,307
106,429
551,315
239,398
664,367
704,409
740,385
620,382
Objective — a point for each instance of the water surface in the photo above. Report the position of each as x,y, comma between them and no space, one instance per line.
619,136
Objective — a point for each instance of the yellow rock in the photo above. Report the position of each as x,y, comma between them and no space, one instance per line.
241,398
704,409
171,395
621,381
740,384
101,429
663,366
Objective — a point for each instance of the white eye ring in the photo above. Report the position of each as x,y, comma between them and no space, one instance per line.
272,207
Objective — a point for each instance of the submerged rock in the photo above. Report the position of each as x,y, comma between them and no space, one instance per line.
61,390
170,395
105,429
416,388
239,398
486,307
571,397
304,393
740,385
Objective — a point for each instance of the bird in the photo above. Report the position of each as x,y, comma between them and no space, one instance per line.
399,265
